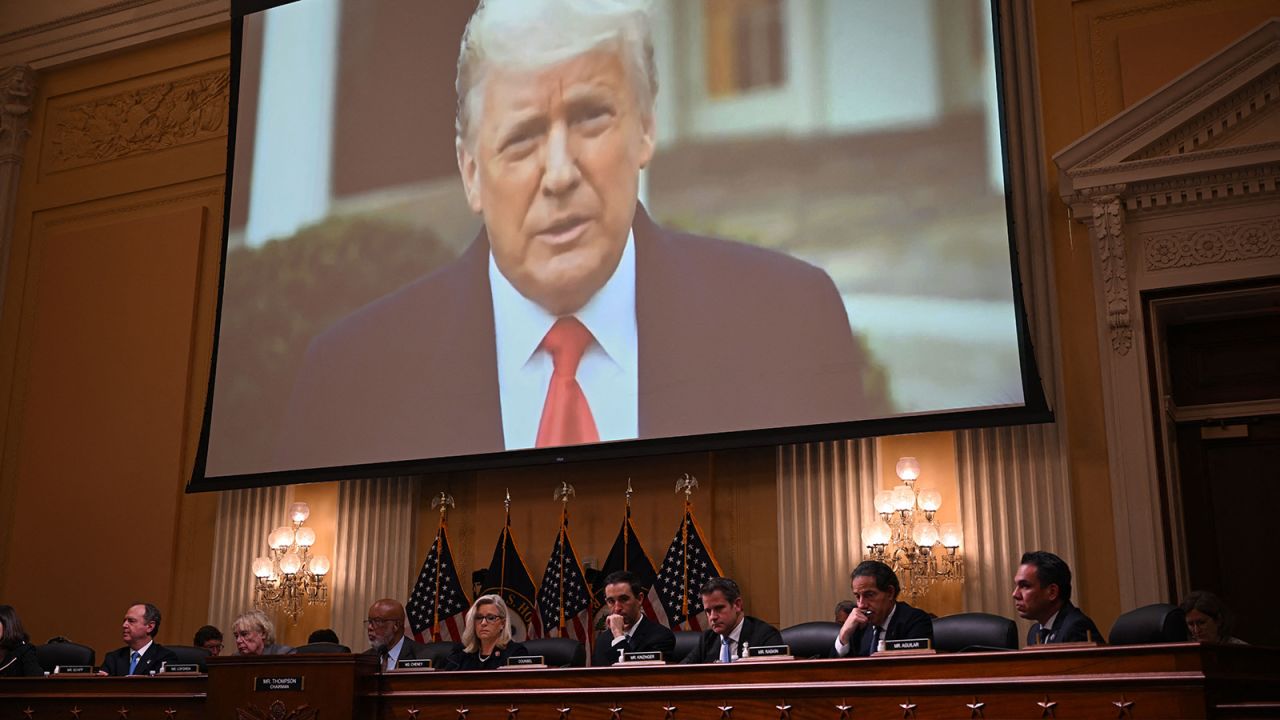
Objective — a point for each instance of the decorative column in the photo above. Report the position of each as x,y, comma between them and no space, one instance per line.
825,493
17,90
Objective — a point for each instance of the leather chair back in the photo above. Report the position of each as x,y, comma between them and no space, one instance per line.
686,641
967,632
815,639
191,654
64,652
558,652
1159,623
440,651
322,647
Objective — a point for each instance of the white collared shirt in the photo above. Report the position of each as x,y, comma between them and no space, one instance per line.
609,373
630,632
393,653
1048,625
843,650
734,636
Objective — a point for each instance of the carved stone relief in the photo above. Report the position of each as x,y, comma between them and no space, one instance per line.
1210,244
140,121
17,85
1108,231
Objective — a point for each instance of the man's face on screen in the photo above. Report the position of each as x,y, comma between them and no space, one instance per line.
553,165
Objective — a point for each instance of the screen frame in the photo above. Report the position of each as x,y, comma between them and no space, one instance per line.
1034,410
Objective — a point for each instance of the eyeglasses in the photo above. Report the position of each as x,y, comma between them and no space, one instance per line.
379,621
488,618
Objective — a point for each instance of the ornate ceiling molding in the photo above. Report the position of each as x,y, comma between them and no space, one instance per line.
111,26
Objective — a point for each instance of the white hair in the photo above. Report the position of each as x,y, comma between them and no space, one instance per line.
534,34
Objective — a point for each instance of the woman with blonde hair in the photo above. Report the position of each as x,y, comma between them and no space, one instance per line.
486,640
256,635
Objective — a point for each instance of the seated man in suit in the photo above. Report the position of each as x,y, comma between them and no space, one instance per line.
732,631
626,629
878,614
209,638
558,325
141,654
387,638
1042,592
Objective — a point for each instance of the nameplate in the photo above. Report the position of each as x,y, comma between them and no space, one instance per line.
169,668
73,670
769,651
643,656
1062,645
278,684
910,645
422,664
526,661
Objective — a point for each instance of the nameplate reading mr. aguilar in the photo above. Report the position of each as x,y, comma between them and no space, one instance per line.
278,684
915,644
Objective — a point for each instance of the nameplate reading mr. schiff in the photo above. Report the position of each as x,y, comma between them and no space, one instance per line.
278,684
72,669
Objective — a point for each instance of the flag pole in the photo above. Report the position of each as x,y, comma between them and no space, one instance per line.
443,502
626,530
506,535
686,484
563,493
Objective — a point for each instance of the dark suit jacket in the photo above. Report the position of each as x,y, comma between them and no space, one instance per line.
21,662
755,632
907,623
411,650
649,635
730,337
116,663
462,660
1071,625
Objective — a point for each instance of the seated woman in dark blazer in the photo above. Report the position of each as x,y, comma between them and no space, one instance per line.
486,641
17,654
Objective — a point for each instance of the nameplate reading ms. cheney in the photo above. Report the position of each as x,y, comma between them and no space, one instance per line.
278,684
422,664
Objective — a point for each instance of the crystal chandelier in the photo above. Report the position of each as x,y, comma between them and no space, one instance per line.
907,539
289,576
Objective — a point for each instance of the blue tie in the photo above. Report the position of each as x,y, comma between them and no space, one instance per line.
133,661
726,655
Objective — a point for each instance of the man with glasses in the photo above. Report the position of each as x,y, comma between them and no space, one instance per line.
387,638
626,629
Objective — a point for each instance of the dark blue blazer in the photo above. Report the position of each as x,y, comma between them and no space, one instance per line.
116,662
755,633
649,635
1071,625
730,337
907,623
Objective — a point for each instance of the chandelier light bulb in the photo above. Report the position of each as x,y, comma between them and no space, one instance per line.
281,538
299,512
951,535
930,499
884,501
290,564
925,535
320,565
879,533
908,468
903,498
261,568
305,537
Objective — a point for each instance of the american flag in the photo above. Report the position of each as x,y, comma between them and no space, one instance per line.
437,606
564,601
628,554
687,565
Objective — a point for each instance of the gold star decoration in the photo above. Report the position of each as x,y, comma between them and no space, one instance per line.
615,712
670,710
462,712
564,712
845,710
512,711
412,711
123,712
75,711
784,711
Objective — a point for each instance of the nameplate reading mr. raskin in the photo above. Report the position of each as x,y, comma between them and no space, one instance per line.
643,656
914,644
768,650
422,664
526,660
278,684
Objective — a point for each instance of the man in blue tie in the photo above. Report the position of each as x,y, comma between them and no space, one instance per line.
141,654
1042,592
732,630
878,614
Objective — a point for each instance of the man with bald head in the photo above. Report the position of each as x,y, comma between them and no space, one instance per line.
386,635
572,317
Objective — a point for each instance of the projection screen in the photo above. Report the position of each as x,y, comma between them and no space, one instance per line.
648,226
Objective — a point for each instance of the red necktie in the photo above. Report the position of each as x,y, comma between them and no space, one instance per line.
566,416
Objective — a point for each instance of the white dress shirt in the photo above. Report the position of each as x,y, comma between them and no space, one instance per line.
842,650
608,374
734,635
393,653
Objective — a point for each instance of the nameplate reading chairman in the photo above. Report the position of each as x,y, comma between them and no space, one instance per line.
572,318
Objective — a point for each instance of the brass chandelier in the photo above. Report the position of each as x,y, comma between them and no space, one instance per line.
907,539
289,577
